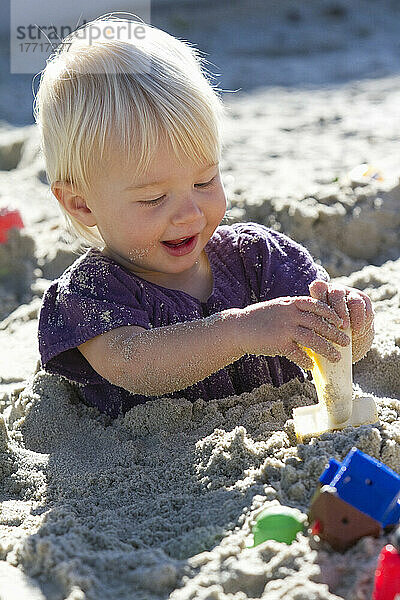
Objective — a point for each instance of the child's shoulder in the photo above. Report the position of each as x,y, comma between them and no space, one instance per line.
91,260
249,234
254,242
88,274
236,231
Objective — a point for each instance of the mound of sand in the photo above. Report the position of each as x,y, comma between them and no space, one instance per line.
161,501
164,498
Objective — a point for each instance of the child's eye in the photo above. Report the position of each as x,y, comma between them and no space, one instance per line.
202,185
153,202
161,198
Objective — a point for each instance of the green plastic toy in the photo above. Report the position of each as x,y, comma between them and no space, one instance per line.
279,523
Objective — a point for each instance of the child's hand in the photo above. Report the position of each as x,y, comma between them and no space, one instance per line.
280,327
354,307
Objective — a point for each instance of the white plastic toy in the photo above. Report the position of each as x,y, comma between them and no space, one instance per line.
337,407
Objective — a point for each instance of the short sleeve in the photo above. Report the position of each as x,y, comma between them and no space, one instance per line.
276,265
90,298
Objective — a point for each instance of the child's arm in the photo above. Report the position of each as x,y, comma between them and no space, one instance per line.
164,359
167,359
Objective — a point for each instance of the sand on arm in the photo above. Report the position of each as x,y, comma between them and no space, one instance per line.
174,357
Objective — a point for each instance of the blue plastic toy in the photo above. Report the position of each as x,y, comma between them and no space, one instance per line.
367,484
358,497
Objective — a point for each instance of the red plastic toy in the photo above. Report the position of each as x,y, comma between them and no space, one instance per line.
387,574
8,220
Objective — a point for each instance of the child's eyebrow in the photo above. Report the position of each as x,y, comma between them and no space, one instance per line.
140,186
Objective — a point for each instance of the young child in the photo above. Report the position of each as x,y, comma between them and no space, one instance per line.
167,302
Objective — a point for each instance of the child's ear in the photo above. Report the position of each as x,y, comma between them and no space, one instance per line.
74,204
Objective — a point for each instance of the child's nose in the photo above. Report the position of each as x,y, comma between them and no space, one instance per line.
186,210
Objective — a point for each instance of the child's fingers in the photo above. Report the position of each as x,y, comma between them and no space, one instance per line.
333,296
337,300
319,290
311,305
324,328
352,306
310,339
299,356
358,311
369,309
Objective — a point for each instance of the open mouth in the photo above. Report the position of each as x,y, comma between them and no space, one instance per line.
180,242
182,246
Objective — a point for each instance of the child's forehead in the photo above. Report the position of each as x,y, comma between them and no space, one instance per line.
160,166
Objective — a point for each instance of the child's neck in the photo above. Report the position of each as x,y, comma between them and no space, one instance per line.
198,282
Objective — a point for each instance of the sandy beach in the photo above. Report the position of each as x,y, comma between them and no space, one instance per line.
159,504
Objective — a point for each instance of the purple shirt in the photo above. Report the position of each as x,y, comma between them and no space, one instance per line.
250,263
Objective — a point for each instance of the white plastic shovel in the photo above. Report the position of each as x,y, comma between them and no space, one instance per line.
337,408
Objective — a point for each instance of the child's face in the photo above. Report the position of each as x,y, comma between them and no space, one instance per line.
188,200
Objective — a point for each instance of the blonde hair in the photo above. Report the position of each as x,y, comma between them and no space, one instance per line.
126,95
